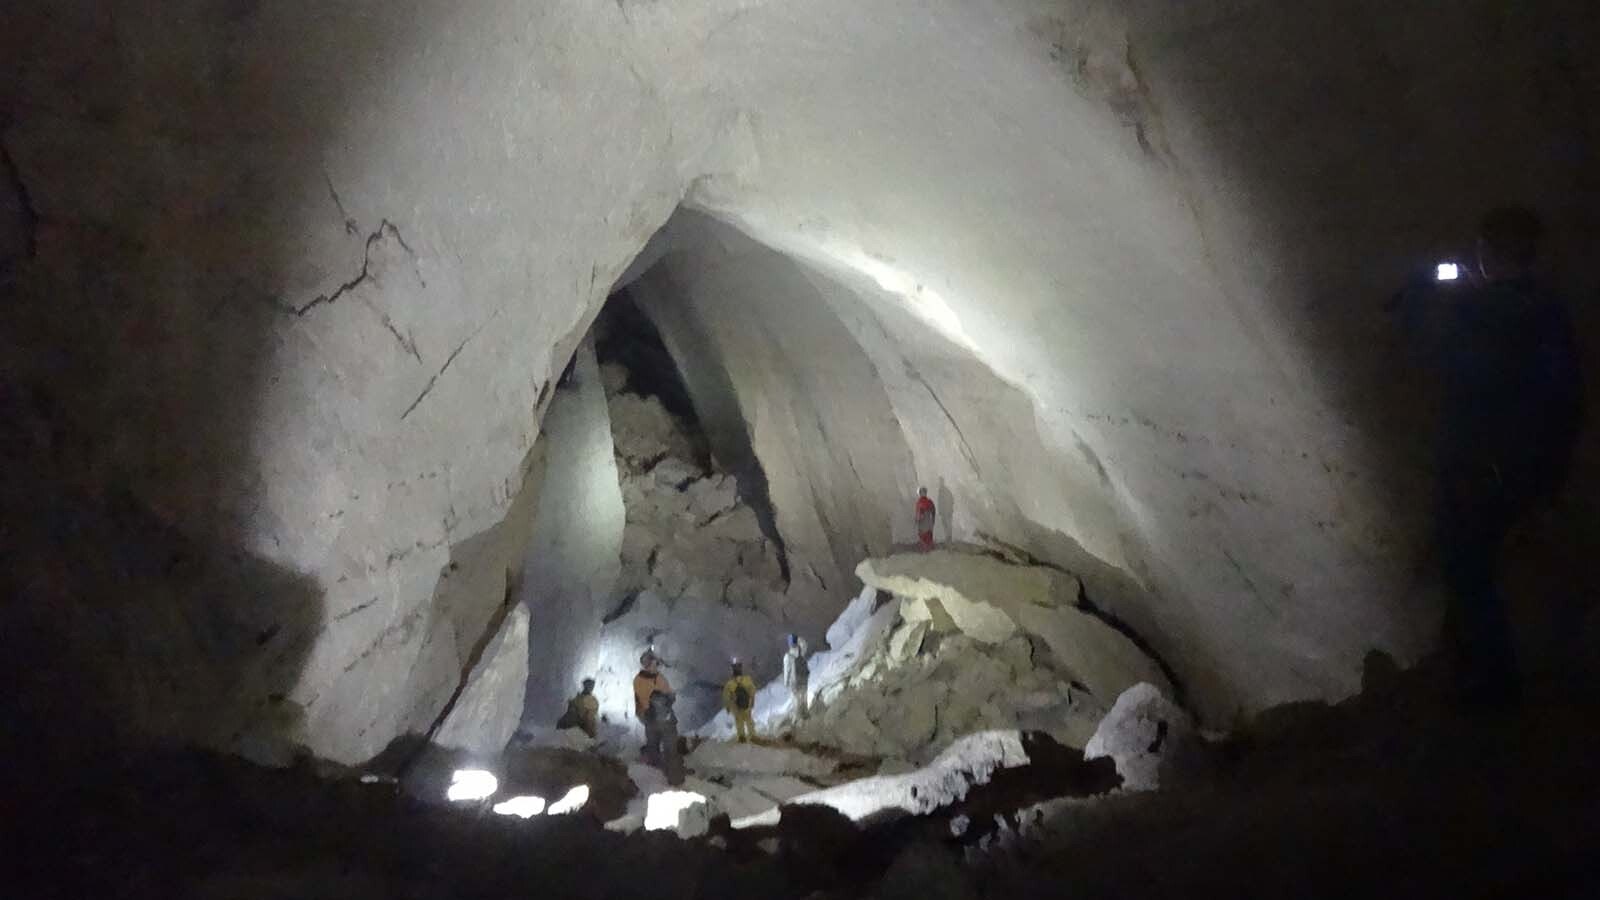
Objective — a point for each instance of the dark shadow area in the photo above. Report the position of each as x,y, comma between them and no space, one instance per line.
193,824
158,169
1413,139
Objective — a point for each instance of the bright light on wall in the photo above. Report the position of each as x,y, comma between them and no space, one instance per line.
1447,272
572,802
523,807
662,809
471,784
923,301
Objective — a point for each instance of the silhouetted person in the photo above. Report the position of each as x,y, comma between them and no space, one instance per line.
925,515
1511,408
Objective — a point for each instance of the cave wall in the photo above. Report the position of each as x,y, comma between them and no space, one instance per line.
772,364
286,286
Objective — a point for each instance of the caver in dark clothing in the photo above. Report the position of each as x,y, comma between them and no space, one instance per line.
1510,414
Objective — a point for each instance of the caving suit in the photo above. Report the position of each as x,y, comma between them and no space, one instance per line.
744,725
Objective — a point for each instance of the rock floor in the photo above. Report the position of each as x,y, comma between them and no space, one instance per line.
1382,796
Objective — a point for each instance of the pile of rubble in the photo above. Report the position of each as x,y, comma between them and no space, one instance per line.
944,644
700,581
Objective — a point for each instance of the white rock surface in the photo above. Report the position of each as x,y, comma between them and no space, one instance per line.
1146,736
970,761
487,712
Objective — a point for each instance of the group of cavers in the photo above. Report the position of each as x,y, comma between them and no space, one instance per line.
653,695
653,698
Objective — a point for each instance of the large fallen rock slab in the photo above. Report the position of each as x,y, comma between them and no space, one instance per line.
990,601
1149,738
486,713
753,759
982,595
1103,659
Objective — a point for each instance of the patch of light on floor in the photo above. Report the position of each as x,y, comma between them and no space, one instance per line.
472,784
662,809
572,802
522,807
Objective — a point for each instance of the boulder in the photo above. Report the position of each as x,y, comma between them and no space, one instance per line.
852,618
1148,737
643,432
989,601
758,561
929,610
712,496
969,761
718,757
1070,724
1101,658
674,474
486,712
981,594
781,788
906,641
910,720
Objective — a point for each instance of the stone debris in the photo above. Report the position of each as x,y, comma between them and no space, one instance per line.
906,676
1149,738
990,601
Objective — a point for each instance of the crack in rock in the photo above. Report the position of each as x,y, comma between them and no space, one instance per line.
406,342
385,229
351,226
428,388
966,448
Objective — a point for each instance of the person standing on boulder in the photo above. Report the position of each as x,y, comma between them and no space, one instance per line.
797,675
739,699
648,683
926,514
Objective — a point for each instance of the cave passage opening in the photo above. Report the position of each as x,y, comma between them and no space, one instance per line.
649,533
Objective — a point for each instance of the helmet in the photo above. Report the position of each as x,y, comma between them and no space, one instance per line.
648,658
794,639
